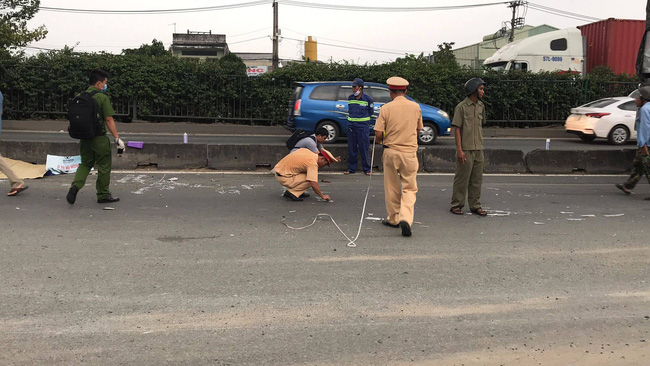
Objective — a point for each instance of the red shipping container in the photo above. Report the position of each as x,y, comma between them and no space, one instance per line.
614,43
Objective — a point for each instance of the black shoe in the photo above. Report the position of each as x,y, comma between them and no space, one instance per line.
622,188
72,195
385,222
290,196
304,195
108,199
406,228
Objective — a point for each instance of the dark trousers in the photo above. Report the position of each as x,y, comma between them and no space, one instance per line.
640,167
358,143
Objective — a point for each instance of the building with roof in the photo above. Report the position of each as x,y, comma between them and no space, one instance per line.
201,45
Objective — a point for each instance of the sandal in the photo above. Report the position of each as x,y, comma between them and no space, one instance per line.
456,210
348,172
478,211
15,190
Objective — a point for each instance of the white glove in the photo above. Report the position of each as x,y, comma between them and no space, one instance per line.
119,143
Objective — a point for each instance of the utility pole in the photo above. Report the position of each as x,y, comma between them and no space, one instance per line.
276,36
515,22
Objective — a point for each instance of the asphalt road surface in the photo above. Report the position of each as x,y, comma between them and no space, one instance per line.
198,269
523,144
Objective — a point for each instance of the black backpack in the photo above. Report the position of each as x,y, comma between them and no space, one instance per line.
83,114
297,135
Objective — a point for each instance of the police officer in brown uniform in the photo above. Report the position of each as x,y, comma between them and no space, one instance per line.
469,117
398,125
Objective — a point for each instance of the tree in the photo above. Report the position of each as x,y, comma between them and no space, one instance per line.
14,33
444,56
232,64
155,49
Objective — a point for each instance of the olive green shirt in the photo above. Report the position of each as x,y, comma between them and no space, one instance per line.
104,107
470,118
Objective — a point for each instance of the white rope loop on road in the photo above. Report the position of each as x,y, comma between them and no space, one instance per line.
351,242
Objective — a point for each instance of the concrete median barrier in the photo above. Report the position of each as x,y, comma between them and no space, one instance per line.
245,157
609,162
264,157
437,159
505,161
163,156
443,160
36,152
591,162
555,162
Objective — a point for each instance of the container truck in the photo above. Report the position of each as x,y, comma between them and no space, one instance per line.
612,42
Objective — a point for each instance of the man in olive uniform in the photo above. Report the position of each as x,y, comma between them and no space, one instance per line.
641,162
469,117
97,151
398,125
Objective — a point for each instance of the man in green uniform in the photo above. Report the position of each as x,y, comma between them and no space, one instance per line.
469,117
97,151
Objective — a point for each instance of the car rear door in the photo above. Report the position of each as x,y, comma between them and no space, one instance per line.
629,110
323,104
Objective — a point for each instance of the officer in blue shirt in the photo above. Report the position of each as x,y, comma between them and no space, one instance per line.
360,109
641,162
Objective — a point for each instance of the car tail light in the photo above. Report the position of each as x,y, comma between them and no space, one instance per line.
296,108
597,115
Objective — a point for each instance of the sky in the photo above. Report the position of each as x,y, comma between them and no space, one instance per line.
367,36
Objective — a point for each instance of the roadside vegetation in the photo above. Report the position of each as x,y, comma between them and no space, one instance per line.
163,87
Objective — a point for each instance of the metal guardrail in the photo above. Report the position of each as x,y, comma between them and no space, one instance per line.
264,101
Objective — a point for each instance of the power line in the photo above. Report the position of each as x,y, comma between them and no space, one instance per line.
562,13
157,11
255,31
383,9
337,40
247,40
265,2
351,48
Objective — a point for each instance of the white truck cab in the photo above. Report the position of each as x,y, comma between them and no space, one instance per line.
561,50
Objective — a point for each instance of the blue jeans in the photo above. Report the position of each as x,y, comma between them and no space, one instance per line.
358,141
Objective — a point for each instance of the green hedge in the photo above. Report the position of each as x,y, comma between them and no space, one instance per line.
168,88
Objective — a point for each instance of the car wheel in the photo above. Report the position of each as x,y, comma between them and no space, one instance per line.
428,134
332,128
587,138
618,135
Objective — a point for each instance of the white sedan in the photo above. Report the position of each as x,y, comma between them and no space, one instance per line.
610,118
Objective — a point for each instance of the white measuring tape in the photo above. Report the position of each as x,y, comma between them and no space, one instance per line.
351,242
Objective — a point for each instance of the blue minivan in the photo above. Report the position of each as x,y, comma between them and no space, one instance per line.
325,104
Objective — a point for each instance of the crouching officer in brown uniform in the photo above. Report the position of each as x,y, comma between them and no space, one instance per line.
298,171
469,117
398,125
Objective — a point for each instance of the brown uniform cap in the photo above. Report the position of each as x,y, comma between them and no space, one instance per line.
397,82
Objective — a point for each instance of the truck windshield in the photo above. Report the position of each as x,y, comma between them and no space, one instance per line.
497,66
